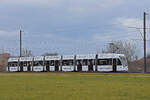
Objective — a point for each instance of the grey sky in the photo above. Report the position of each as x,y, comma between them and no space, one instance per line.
69,26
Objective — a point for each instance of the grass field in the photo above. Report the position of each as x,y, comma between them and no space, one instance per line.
74,86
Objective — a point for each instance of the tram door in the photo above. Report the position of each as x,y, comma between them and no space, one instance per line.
21,66
47,65
29,64
79,65
90,65
56,65
114,65
52,65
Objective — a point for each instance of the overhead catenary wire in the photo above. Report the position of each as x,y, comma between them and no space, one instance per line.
28,35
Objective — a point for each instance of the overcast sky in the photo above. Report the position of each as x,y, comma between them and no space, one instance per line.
70,26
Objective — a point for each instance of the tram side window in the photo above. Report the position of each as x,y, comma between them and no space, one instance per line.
79,62
38,63
104,61
52,63
85,62
67,62
57,63
91,62
10,64
118,62
26,63
47,63
14,64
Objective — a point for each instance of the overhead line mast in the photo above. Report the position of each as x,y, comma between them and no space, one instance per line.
21,43
144,30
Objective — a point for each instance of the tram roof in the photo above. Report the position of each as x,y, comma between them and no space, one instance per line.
110,55
38,58
13,59
52,57
86,56
25,58
67,57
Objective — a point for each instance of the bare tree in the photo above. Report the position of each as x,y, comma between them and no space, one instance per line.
26,52
119,47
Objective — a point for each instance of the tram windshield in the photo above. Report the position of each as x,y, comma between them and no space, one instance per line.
123,61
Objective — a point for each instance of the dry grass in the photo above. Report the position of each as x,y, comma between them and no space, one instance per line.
74,86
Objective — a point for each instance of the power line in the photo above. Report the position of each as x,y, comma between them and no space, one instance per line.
144,39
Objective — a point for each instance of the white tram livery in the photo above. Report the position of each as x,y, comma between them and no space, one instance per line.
38,64
52,63
13,64
25,64
69,63
85,62
111,62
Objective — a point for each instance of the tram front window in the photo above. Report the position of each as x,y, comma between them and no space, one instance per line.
124,61
118,62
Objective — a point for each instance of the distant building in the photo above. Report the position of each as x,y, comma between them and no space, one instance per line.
4,61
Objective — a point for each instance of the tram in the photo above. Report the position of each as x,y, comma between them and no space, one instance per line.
69,63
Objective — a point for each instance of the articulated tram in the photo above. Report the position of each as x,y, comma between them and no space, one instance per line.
69,63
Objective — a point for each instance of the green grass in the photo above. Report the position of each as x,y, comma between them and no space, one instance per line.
74,86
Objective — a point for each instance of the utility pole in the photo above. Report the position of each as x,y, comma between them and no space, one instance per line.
144,39
144,30
20,43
